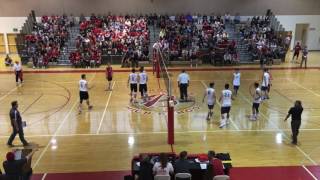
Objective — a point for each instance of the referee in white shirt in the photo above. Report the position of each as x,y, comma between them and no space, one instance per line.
17,68
183,83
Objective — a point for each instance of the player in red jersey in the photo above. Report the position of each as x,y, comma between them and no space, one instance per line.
109,75
297,49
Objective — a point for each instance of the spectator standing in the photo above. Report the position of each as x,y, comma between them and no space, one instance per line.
17,68
295,113
297,49
183,84
17,125
304,57
211,99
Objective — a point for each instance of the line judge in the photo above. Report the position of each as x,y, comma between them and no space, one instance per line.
183,83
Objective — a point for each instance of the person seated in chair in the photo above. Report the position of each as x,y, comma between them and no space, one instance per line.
163,167
216,163
18,168
8,60
227,58
145,172
182,164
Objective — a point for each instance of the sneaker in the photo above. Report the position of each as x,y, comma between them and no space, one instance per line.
26,144
10,145
221,125
90,107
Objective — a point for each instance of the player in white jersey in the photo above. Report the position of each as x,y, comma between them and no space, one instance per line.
226,102
84,95
256,101
143,81
133,81
211,99
236,81
265,84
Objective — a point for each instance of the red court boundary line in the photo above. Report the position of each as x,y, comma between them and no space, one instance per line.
170,69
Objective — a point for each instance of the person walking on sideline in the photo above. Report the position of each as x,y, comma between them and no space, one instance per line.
17,68
17,125
295,113
183,83
304,57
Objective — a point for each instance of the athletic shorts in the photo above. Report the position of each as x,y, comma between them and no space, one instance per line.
109,78
133,87
225,110
255,105
143,88
210,106
235,87
264,88
84,95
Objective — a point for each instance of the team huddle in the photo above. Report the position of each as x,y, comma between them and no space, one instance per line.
258,95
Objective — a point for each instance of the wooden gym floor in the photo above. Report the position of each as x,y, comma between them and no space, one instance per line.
106,138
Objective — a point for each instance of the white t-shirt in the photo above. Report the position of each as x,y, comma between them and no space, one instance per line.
133,78
83,85
210,96
183,78
226,98
17,67
143,78
257,96
236,79
162,171
266,79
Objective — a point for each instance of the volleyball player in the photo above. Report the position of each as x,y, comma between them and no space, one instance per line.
133,81
225,100
143,80
236,81
256,102
17,68
109,75
84,95
265,84
211,99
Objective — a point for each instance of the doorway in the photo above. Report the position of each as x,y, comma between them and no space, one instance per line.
301,34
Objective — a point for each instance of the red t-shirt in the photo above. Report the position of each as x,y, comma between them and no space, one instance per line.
297,48
217,167
109,71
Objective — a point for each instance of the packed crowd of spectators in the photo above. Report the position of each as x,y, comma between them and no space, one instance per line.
47,39
261,40
182,37
111,35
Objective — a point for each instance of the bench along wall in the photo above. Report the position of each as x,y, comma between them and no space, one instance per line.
244,7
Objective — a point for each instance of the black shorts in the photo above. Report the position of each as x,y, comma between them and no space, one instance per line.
210,106
236,87
133,87
225,110
255,105
296,54
264,88
109,78
143,88
84,95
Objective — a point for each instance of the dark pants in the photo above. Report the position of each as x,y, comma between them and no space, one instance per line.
303,60
19,76
14,133
295,125
184,91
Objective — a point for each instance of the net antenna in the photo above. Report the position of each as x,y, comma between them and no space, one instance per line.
164,73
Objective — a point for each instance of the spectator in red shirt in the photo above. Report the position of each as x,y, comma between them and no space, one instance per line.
297,49
109,75
217,166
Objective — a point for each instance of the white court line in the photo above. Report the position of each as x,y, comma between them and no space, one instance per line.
105,108
312,92
57,130
8,93
309,172
44,176
232,122
273,124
